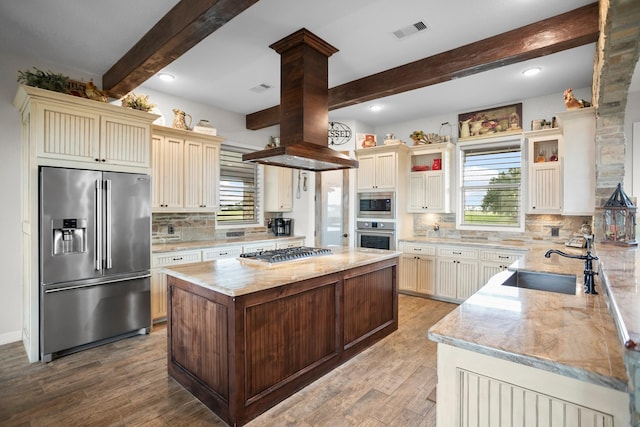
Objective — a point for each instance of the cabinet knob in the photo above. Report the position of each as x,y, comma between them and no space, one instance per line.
103,160
97,160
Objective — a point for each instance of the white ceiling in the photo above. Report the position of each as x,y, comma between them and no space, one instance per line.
91,35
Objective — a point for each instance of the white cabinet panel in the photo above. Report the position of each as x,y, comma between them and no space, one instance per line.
278,189
221,252
290,244
167,172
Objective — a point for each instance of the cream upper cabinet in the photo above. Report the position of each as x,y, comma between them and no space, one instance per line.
545,171
202,176
68,129
278,189
186,171
168,176
430,178
562,165
379,167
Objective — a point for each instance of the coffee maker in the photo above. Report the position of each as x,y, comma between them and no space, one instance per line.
282,226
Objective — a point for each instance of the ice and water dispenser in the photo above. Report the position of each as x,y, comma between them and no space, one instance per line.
69,235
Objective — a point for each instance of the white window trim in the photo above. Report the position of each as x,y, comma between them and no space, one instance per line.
497,142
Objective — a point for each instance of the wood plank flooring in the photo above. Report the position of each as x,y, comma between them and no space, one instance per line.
126,384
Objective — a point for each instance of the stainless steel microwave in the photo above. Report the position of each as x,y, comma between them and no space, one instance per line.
376,205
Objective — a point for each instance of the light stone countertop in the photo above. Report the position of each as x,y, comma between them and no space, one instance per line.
572,335
235,276
201,244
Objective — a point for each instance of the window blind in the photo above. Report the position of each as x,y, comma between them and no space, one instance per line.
238,188
491,186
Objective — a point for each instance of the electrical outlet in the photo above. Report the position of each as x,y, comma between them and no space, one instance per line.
555,231
170,229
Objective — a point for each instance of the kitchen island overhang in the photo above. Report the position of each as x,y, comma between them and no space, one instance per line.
243,337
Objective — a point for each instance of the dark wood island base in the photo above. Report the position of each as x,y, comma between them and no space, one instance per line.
241,355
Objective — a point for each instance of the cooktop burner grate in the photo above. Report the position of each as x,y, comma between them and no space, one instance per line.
288,254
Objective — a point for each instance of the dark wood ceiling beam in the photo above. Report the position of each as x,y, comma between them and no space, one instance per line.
184,26
566,31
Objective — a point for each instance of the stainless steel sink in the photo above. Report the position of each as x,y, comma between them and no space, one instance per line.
550,282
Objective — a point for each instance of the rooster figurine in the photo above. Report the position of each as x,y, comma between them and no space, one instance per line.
94,93
572,103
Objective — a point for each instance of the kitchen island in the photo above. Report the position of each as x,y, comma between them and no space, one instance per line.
244,335
532,357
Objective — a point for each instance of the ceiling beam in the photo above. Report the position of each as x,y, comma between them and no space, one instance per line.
566,31
184,26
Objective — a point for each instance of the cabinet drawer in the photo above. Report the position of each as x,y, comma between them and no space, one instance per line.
258,247
175,258
222,252
458,253
417,248
500,256
289,244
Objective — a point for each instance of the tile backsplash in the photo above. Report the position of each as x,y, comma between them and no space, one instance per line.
537,228
194,226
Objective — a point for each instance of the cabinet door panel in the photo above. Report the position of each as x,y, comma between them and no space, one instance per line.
446,278
487,271
68,134
172,174
467,279
158,295
366,172
417,190
386,170
124,142
211,177
425,275
407,272
193,153
544,188
434,192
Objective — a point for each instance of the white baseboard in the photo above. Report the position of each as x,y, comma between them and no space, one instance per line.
10,337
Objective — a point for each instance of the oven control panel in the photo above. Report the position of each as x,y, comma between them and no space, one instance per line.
376,225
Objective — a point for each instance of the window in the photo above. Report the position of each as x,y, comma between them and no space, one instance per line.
238,188
491,186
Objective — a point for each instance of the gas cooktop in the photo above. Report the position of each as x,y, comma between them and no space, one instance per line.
288,254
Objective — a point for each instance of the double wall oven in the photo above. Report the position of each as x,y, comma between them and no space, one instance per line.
375,227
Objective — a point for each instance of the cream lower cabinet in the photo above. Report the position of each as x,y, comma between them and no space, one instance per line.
221,252
417,268
456,272
278,189
479,390
159,279
493,262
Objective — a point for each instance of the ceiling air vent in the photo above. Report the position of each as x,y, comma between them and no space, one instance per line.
410,30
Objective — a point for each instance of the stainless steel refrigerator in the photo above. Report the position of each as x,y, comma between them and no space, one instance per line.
95,237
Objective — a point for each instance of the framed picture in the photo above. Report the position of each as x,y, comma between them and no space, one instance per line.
492,122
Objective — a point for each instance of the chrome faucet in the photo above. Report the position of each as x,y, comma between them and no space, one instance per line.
589,283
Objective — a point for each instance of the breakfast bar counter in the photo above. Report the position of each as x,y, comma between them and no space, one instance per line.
243,335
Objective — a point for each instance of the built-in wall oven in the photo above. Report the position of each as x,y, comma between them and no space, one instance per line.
376,234
376,205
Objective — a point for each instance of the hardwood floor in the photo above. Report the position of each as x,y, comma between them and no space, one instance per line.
126,384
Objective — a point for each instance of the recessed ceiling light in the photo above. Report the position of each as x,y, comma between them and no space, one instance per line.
529,72
166,77
375,107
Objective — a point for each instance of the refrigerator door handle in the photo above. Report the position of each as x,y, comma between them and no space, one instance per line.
107,221
98,239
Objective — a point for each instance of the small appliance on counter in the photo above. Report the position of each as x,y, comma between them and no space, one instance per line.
282,226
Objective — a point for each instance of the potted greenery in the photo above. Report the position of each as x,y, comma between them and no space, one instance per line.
137,102
44,80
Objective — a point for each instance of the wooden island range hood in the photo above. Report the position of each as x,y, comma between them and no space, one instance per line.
304,107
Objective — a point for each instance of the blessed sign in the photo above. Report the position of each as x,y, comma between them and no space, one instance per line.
339,133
